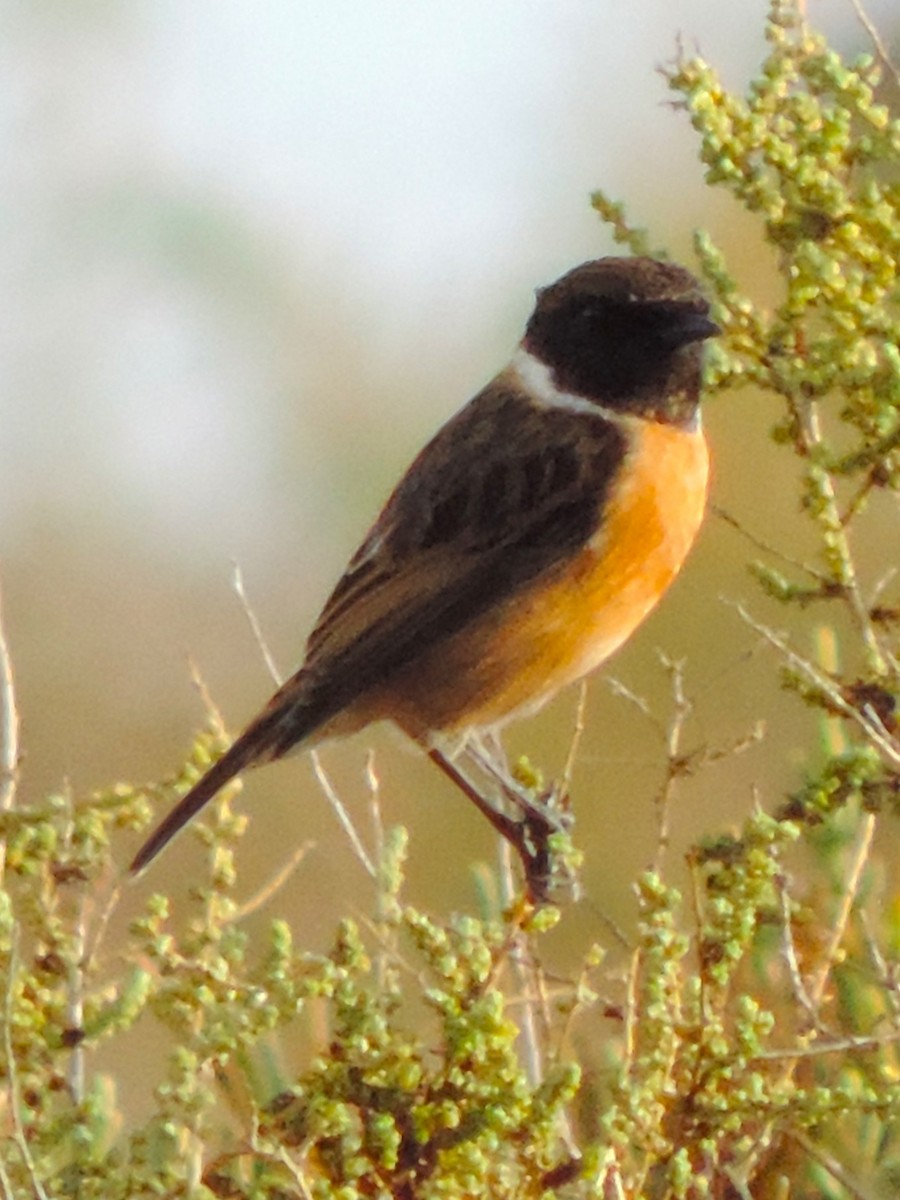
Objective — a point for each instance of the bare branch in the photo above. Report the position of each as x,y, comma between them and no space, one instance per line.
9,735
255,627
342,815
877,40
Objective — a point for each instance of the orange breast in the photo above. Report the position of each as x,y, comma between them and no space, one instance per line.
523,651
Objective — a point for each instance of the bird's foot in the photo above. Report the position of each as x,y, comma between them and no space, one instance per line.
540,833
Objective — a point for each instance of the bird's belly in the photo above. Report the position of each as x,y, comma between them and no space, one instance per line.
514,658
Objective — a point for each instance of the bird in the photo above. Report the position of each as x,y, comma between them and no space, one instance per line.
524,544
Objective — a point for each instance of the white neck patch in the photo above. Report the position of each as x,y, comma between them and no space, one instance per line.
537,379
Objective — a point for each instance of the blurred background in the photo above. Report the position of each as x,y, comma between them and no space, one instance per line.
254,255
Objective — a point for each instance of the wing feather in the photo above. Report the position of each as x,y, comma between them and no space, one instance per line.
504,492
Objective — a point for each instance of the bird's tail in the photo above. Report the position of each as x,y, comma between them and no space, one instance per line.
283,724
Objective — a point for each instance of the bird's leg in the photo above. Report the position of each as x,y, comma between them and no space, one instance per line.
550,807
504,825
529,836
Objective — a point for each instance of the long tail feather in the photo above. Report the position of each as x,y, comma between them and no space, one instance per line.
276,730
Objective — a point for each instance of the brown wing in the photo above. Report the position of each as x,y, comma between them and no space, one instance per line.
505,491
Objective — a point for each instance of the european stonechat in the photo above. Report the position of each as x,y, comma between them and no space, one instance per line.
525,543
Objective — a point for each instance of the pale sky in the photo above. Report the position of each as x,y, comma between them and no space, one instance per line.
229,223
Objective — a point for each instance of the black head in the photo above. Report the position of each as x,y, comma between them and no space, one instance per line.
626,333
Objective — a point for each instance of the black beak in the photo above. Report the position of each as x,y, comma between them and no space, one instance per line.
690,327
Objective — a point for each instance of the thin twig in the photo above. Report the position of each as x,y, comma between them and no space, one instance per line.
506,873
832,1046
835,1169
6,1190
538,1001
518,954
863,716
697,909
75,960
767,548
811,436
850,891
12,1071
101,924
195,1152
574,1006
255,627
887,977
382,907
620,689
373,781
610,1180
632,1016
801,994
816,991
9,736
342,815
212,709
577,734
273,885
739,1185
388,945
877,41
674,759
740,745
75,1001
882,584
295,1171
610,924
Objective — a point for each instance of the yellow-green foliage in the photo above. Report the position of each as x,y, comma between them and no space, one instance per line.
749,1049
